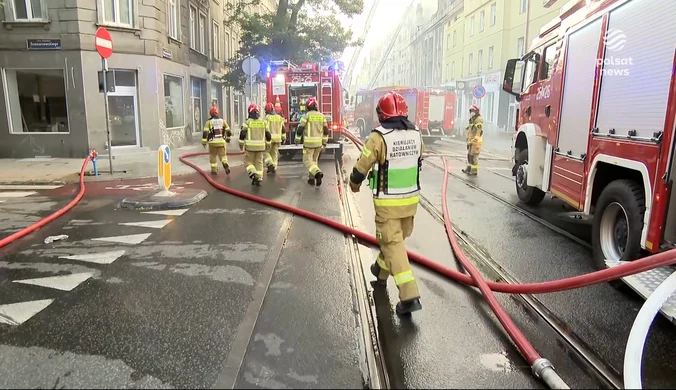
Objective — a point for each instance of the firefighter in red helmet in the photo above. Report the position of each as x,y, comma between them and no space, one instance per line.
475,132
254,139
275,125
216,133
392,157
313,133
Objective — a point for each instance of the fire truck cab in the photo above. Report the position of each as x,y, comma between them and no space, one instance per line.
595,124
289,86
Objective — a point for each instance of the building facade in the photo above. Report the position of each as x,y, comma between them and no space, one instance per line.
167,60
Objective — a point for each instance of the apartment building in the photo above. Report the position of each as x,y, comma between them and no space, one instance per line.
478,45
168,57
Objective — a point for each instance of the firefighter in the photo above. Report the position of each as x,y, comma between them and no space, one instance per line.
213,134
313,133
254,139
475,132
275,124
392,157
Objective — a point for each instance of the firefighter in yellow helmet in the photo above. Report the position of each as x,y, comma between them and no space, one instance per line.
313,133
275,124
393,155
216,133
475,132
254,139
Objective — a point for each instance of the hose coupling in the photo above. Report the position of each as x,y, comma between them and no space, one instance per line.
540,365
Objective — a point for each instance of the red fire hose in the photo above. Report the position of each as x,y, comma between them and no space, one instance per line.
27,230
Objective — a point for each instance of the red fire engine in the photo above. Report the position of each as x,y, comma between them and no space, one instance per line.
289,86
595,126
433,110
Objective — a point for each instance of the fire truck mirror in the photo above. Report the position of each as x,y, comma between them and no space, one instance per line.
347,102
512,82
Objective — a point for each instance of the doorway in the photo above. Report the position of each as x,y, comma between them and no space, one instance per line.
123,111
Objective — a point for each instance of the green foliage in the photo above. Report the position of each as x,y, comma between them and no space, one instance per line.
290,34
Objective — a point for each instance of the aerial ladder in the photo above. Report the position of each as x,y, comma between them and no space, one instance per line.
347,81
389,48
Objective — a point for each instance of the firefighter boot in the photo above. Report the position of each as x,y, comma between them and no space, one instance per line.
318,178
226,166
311,180
255,180
407,307
271,169
214,171
376,271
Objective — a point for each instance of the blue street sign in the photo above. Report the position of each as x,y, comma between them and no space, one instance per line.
479,91
166,154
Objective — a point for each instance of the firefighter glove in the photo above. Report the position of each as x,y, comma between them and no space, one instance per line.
354,187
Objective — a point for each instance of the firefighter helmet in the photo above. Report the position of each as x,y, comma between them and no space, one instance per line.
214,111
269,107
391,105
253,108
311,104
475,108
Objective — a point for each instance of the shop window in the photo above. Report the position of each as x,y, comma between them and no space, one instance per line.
25,10
196,97
118,12
173,101
36,100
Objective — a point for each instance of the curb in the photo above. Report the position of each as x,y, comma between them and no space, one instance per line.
35,183
151,202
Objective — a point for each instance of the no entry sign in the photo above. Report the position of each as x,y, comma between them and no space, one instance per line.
103,43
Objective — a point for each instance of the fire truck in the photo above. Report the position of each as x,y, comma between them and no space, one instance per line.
432,109
595,124
289,86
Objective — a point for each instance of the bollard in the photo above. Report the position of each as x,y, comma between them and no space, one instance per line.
164,169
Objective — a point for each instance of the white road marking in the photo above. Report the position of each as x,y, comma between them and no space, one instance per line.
97,258
18,313
63,282
29,187
149,224
130,239
167,212
16,194
499,168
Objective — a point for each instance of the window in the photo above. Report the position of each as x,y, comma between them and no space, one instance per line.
479,61
26,10
193,28
118,12
448,73
470,63
550,53
520,47
491,56
455,37
482,20
471,26
202,34
522,6
36,100
448,41
174,23
494,13
196,97
216,41
453,70
173,101
227,53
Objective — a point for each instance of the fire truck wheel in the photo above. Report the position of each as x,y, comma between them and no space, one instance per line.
528,195
618,222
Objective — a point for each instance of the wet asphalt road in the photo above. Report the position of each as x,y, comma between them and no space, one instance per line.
167,308
600,315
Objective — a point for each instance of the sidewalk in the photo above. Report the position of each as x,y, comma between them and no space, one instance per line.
67,170
498,143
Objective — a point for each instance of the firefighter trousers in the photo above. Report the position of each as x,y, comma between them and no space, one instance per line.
311,159
254,163
272,154
393,259
217,152
472,163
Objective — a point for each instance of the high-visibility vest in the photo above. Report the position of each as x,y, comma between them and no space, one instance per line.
255,138
314,129
276,126
396,182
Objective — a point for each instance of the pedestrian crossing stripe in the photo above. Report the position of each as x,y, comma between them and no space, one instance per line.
18,313
63,282
16,194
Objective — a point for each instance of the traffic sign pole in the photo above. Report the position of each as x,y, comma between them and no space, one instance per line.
104,65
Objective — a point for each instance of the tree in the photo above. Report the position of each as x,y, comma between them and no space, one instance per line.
289,34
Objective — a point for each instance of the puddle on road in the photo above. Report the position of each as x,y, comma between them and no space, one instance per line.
497,362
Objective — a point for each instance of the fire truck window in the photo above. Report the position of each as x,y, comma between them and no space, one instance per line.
529,76
548,62
360,98
298,95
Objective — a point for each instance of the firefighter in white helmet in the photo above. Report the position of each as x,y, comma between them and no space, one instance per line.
254,138
313,133
216,133
275,124
393,155
475,132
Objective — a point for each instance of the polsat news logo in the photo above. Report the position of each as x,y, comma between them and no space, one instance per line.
615,40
